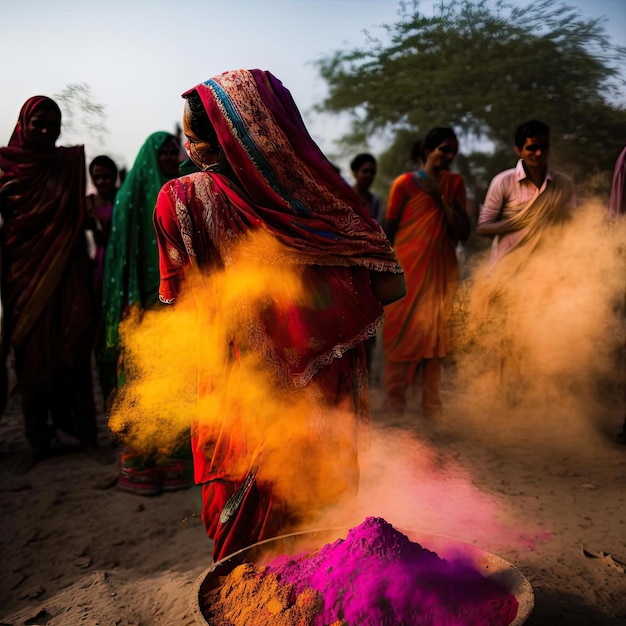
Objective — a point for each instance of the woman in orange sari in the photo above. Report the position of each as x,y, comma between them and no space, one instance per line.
425,219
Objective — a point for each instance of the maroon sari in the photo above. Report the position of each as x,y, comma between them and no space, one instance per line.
48,309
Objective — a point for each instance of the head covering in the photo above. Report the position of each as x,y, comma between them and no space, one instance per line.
15,160
35,103
277,181
290,186
131,268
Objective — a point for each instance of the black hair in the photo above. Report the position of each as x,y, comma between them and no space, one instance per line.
103,161
360,160
532,128
434,139
198,119
417,151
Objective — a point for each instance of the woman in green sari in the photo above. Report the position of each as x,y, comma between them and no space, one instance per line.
130,286
131,267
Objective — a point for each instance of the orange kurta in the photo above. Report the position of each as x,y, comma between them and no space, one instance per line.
415,325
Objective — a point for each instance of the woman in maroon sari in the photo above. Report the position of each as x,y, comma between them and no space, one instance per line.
46,292
263,176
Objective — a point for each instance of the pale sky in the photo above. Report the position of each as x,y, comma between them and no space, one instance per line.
138,56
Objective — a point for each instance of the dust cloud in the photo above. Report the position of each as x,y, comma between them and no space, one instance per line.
539,345
186,373
536,356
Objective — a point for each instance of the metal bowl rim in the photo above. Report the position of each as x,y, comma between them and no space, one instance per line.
525,594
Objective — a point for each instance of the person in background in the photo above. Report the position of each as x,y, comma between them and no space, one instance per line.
261,173
617,195
425,219
130,286
617,210
103,173
521,206
363,168
523,201
47,301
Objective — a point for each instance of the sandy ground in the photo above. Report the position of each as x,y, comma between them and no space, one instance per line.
76,550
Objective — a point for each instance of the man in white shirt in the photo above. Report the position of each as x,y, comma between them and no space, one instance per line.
521,202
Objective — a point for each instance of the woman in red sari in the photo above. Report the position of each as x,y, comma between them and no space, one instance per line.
262,174
425,219
47,302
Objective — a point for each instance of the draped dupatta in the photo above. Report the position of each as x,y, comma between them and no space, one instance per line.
297,195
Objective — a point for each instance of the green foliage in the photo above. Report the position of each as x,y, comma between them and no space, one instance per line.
484,71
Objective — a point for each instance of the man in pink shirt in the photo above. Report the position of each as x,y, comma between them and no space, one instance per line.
521,202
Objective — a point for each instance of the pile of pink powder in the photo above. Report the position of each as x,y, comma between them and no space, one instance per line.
374,577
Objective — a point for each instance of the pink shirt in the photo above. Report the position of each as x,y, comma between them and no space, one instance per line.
509,193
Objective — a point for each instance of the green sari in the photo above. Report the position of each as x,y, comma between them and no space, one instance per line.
131,266
131,281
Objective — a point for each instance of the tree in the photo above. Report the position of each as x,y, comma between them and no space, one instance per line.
82,115
484,71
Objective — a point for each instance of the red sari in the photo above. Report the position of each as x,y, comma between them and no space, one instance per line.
313,354
316,351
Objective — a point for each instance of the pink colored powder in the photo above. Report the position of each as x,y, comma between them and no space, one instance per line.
378,577
374,577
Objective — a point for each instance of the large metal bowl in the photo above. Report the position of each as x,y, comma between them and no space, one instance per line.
490,565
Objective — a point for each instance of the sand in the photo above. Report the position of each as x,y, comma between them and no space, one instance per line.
76,550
